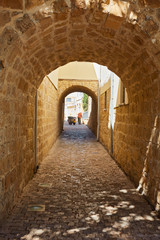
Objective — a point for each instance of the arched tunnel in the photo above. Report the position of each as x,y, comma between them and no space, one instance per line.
92,124
36,37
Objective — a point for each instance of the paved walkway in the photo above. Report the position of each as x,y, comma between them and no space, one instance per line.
83,195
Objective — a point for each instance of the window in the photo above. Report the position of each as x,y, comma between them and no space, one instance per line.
68,99
105,100
122,96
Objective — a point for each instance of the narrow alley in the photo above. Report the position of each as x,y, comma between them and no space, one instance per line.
80,193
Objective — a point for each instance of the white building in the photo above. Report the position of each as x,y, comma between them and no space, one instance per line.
73,104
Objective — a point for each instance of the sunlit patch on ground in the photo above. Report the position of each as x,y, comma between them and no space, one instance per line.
35,234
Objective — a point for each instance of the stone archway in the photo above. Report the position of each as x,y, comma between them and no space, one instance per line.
37,38
66,87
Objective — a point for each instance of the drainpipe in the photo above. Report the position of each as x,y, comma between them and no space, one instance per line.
35,129
111,110
98,113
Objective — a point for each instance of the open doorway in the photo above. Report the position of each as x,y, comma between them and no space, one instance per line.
77,108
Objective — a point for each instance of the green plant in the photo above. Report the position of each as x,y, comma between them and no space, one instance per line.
85,102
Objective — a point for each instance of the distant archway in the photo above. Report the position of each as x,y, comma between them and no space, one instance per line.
92,124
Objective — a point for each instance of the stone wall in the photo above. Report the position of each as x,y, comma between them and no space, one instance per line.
17,163
16,143
136,138
136,142
47,125
92,122
105,130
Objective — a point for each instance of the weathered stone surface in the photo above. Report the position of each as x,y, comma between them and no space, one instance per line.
23,85
158,13
15,13
2,183
10,178
4,18
79,3
138,40
16,52
153,3
16,4
60,30
113,22
75,13
47,94
7,38
33,3
46,22
151,26
59,5
25,23
2,76
60,16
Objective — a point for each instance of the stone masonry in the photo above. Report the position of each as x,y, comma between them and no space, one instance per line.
105,131
47,117
36,37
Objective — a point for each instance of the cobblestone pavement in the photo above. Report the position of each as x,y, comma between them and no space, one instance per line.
83,195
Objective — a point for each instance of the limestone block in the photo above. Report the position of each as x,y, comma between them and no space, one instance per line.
79,3
114,22
158,198
153,3
7,38
59,5
62,16
33,3
10,178
24,24
151,26
158,13
60,30
2,183
76,14
138,40
46,22
109,33
4,18
77,32
16,52
16,4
